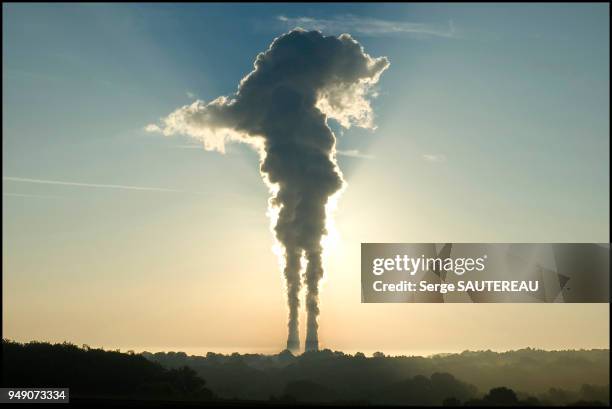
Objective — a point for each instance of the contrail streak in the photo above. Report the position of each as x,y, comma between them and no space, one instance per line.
93,185
11,194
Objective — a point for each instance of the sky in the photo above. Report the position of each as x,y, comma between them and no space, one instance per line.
492,126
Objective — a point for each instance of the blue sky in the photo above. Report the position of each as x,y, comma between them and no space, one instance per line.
493,125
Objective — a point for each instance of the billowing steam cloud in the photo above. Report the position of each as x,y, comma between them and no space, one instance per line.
281,108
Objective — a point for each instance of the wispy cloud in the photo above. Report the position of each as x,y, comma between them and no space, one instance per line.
369,26
152,128
91,185
354,153
434,157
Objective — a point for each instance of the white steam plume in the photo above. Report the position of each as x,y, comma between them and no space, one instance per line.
281,108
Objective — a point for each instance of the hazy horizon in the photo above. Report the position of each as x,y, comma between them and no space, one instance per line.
228,350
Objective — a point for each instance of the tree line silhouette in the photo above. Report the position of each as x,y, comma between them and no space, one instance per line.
96,373
321,377
550,377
